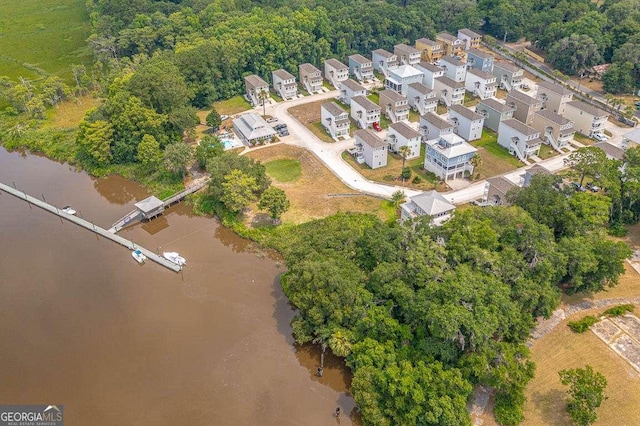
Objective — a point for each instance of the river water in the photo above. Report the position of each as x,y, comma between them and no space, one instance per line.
117,343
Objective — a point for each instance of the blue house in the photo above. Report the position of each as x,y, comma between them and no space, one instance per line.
449,157
480,60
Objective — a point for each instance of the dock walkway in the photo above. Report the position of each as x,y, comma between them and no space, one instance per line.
91,227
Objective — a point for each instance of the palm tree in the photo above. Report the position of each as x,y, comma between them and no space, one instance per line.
398,198
404,152
263,95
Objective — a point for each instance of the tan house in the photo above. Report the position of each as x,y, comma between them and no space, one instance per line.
553,96
470,38
587,119
450,92
394,105
254,85
406,54
554,129
430,51
496,189
525,106
310,78
335,72
451,44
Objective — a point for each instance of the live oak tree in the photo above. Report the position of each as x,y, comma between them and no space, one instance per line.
94,139
238,190
177,157
149,152
586,393
275,201
588,161
213,119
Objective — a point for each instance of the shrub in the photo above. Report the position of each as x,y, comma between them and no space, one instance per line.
406,173
508,408
416,180
617,229
616,311
582,325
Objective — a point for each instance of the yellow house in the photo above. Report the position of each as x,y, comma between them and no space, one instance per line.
430,51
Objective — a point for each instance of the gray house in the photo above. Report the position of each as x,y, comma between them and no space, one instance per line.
480,60
335,72
509,76
383,61
432,126
494,112
252,128
467,124
360,67
349,89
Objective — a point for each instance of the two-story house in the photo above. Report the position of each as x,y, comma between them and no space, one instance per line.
406,54
421,98
335,120
429,73
587,119
432,126
466,123
430,51
494,112
509,76
525,106
252,128
429,203
335,72
451,44
401,134
455,69
254,86
383,61
394,105
364,112
400,78
521,140
360,67
349,89
496,189
284,83
450,92
481,84
554,129
480,60
310,78
553,96
449,157
373,148
470,38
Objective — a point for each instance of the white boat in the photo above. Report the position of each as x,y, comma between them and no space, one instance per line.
138,256
174,257
68,210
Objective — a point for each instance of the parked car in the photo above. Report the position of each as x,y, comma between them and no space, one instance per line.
525,86
592,187
272,120
578,187
600,137
224,117
377,127
283,133
279,127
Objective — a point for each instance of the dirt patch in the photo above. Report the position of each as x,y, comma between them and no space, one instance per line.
308,113
312,195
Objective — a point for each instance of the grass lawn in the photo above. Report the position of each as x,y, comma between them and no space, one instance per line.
414,116
309,116
579,137
318,129
441,109
313,193
68,114
283,170
41,38
494,159
232,106
501,94
470,100
547,152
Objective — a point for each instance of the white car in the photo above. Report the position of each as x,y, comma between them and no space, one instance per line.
224,117
600,137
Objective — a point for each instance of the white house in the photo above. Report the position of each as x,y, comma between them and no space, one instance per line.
556,130
467,123
480,83
587,119
521,140
432,126
310,78
254,85
349,89
449,157
394,105
470,38
373,148
429,203
450,92
454,68
364,112
252,128
406,54
509,76
554,97
284,83
335,72
429,73
383,61
401,134
400,78
334,119
360,67
421,98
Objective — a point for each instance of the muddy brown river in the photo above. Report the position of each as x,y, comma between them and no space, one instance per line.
117,343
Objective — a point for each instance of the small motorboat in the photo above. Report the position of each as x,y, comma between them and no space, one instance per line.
174,257
68,210
138,256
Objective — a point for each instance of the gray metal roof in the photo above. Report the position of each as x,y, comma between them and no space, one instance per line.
149,204
519,127
436,121
336,64
432,203
465,112
369,138
589,109
253,126
365,102
333,108
494,105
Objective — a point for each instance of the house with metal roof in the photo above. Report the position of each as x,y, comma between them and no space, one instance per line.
252,128
400,78
449,157
430,203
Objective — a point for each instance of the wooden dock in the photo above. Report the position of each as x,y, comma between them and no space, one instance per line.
135,215
91,227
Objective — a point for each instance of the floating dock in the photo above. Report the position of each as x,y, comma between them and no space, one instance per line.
91,227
